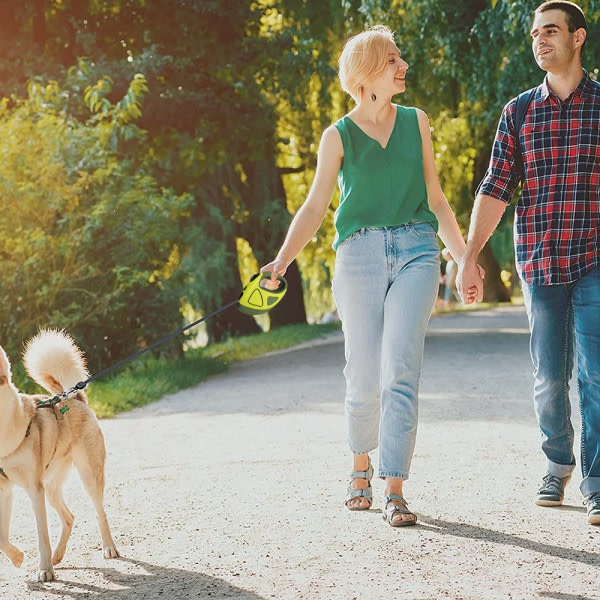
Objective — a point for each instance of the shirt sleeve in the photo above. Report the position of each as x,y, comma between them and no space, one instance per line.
501,178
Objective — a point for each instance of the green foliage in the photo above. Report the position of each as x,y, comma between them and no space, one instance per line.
455,155
87,233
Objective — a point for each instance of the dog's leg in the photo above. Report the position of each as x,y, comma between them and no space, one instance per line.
56,500
38,500
15,555
90,466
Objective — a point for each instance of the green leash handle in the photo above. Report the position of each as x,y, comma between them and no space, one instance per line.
256,299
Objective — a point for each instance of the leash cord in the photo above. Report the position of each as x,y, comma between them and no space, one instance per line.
52,402
171,335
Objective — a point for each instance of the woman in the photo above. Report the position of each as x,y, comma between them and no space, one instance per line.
387,259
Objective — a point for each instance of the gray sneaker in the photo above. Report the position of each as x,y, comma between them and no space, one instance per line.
593,508
552,492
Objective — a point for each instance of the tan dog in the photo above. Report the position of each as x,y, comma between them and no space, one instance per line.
38,446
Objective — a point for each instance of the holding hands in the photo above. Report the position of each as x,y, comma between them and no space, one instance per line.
469,280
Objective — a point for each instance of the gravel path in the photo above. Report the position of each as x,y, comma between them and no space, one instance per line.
234,489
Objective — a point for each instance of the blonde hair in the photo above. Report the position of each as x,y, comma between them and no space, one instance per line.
364,56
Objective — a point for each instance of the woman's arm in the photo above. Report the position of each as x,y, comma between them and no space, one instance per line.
308,219
449,231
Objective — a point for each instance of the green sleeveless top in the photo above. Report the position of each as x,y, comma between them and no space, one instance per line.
381,187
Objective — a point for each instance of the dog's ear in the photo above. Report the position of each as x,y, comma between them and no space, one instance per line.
4,368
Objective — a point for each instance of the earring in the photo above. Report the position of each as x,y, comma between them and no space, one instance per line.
373,97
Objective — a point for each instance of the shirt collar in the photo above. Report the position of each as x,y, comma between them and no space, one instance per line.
583,89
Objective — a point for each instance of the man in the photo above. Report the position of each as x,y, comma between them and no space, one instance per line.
557,222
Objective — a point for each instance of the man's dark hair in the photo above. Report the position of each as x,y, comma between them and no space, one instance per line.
575,16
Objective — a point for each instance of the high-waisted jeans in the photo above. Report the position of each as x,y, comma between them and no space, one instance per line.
564,319
385,283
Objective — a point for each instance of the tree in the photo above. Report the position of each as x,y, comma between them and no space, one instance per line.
86,234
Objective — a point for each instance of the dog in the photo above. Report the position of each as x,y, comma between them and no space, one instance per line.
39,445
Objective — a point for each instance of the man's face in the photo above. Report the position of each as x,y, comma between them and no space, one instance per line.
554,47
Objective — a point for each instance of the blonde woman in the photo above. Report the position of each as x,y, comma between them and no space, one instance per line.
387,259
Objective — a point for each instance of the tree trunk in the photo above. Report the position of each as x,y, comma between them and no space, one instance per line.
291,309
77,13
494,288
9,26
39,31
265,232
231,322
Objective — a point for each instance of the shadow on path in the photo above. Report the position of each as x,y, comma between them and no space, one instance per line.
473,532
559,596
157,582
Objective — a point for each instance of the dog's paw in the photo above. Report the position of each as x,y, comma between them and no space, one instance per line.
16,556
111,552
46,575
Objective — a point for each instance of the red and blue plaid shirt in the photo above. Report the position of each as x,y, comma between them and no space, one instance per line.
557,235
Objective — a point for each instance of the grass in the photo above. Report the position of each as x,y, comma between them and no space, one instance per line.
152,378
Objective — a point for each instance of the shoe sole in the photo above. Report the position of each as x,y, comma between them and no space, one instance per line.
594,520
549,502
542,502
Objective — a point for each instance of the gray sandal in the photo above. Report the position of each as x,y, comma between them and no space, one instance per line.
367,493
392,509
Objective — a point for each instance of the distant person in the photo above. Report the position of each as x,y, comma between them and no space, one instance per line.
449,279
557,242
387,259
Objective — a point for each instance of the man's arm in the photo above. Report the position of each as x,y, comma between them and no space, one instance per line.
487,212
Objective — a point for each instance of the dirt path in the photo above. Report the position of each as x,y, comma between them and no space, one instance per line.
234,489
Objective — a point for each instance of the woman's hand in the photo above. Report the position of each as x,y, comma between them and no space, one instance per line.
275,267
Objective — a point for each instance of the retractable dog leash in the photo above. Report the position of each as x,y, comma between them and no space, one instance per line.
255,299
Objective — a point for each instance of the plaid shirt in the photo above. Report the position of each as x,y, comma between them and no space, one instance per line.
557,234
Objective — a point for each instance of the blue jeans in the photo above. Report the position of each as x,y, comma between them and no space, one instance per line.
565,319
385,284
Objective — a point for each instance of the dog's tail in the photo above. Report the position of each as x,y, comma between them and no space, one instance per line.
54,361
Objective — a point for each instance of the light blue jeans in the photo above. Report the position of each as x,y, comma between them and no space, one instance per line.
385,283
564,319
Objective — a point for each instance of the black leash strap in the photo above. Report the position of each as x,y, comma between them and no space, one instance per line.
256,298
82,384
523,101
52,402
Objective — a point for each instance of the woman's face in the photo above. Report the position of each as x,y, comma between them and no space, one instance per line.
393,78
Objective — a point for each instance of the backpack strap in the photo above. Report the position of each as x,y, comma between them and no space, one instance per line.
523,101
